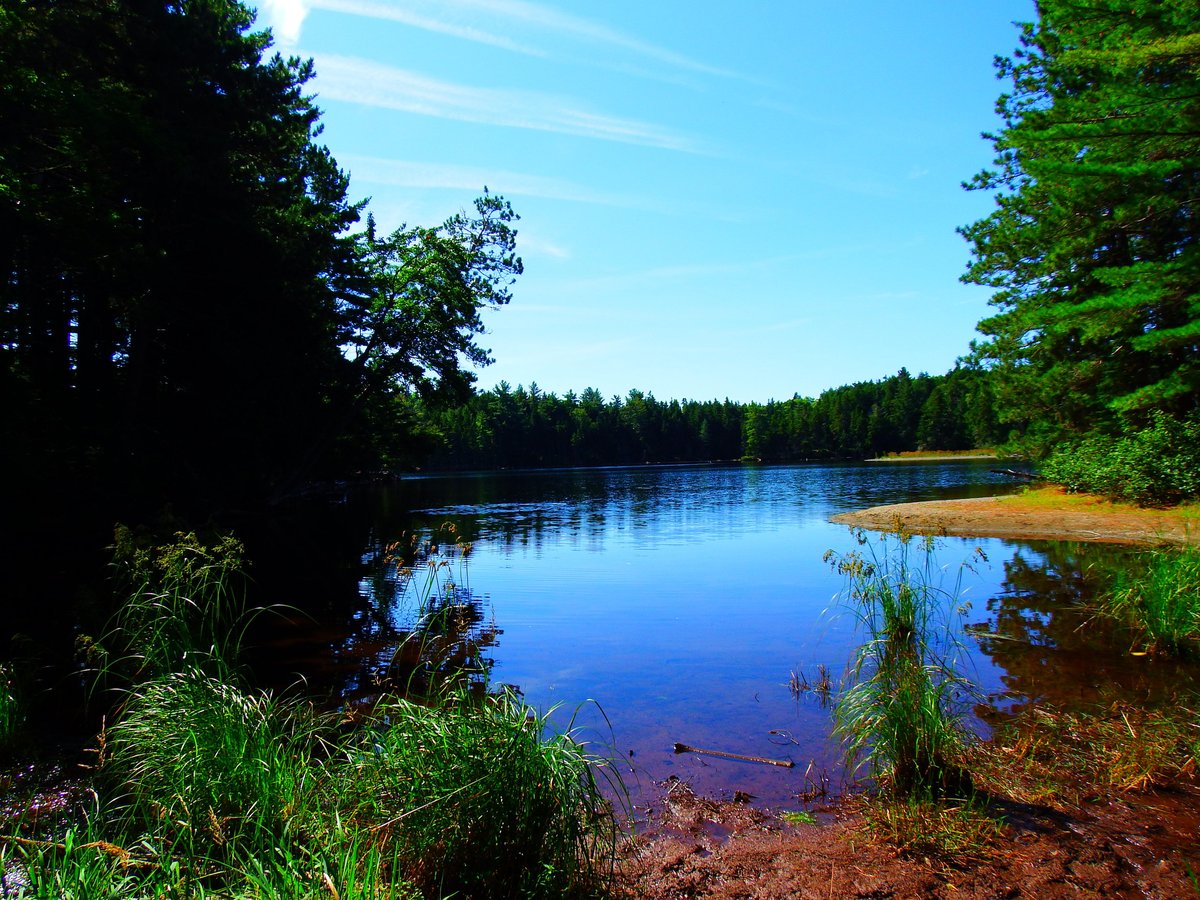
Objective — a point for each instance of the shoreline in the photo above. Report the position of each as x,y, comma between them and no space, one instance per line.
1047,513
930,457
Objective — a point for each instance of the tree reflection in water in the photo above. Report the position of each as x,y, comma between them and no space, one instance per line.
1052,646
423,628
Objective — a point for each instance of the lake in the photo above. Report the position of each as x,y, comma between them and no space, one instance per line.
655,605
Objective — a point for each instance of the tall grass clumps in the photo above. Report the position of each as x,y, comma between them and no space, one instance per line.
1160,599
12,707
479,800
185,606
210,766
208,787
902,713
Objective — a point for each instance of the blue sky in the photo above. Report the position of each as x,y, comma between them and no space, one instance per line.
717,199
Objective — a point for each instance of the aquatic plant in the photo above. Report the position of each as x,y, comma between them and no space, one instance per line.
442,647
902,710
1160,599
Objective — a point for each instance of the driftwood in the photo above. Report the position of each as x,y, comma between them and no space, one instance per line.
1013,473
785,763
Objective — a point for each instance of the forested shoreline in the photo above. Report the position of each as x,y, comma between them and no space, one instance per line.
527,428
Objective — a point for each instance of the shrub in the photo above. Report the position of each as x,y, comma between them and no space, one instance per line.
1157,465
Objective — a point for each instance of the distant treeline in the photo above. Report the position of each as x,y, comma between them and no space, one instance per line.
525,427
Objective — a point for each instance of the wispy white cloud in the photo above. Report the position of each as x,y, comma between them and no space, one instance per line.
373,84
517,24
410,14
439,176
285,18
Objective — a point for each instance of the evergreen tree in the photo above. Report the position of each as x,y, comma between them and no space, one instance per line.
1093,244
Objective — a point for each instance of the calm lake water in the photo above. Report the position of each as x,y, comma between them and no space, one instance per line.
659,605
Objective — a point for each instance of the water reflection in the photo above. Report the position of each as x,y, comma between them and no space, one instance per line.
682,599
1043,633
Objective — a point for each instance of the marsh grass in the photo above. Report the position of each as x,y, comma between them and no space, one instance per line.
12,706
1159,599
1059,757
185,607
209,766
921,826
902,710
480,799
209,788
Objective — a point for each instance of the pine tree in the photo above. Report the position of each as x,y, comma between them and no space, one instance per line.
1093,245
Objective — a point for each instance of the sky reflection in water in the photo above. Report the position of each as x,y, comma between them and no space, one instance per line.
681,600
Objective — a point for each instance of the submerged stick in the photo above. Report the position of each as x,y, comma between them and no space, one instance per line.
785,763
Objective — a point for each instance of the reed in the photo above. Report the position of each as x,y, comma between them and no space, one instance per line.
208,788
184,608
12,707
902,711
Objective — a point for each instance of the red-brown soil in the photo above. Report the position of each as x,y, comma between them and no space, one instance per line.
1139,845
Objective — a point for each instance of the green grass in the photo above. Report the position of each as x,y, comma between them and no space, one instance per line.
208,788
901,713
933,827
479,799
185,608
12,707
1159,599
209,766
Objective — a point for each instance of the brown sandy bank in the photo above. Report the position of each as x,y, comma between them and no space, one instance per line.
1044,513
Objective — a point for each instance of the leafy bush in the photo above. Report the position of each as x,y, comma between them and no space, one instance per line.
1157,465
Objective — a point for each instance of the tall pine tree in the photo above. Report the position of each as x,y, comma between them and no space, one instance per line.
1092,246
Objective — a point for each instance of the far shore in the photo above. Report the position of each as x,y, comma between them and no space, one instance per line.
933,456
1047,513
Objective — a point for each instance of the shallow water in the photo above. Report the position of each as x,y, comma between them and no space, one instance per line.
659,605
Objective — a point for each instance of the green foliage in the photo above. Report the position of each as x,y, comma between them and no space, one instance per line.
185,606
902,711
186,312
208,788
1160,599
1092,248
1158,464
526,427
208,766
12,706
481,799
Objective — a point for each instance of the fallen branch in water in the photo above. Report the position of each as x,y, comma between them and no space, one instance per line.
785,763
